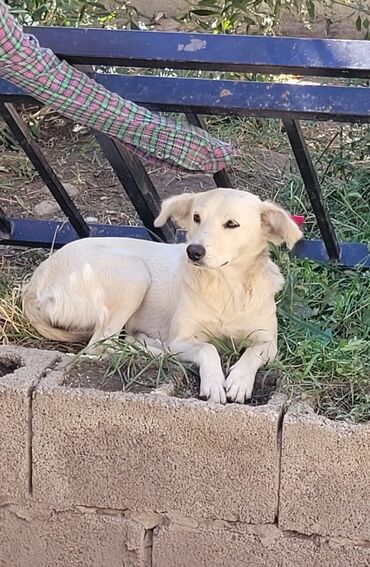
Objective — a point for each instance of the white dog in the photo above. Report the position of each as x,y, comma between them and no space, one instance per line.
221,284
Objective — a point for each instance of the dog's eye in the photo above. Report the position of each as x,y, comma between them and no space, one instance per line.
196,218
231,224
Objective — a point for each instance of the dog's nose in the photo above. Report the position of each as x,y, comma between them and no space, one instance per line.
195,252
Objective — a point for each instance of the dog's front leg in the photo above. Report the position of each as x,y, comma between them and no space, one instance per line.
206,357
240,381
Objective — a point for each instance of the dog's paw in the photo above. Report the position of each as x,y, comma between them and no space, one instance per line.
239,386
213,391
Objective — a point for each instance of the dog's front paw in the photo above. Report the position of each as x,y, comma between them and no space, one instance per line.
213,390
239,386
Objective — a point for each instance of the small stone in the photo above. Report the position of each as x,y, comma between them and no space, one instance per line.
91,219
72,190
46,208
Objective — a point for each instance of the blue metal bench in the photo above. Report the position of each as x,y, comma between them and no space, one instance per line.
194,97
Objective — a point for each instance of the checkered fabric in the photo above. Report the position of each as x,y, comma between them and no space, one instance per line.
55,83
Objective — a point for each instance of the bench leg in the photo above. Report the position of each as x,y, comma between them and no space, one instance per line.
137,184
42,166
5,226
312,185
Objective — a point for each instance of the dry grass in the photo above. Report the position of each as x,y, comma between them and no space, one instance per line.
15,267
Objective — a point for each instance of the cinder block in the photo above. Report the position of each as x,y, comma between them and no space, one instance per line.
40,537
20,370
325,476
218,544
157,453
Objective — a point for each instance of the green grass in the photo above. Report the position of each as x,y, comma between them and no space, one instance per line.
324,312
324,338
136,367
124,365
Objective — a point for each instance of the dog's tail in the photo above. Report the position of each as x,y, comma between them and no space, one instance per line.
32,311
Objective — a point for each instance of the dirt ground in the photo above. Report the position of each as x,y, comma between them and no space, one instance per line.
87,373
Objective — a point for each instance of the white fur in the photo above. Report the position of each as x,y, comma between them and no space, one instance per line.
97,286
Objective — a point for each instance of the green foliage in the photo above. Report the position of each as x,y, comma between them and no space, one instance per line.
324,342
217,16
362,23
230,16
263,16
75,13
324,339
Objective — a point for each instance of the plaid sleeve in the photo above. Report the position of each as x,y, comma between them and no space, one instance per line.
53,82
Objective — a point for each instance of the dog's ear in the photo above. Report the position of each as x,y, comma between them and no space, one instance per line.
277,225
178,208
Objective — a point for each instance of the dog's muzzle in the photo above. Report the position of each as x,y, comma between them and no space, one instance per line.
195,252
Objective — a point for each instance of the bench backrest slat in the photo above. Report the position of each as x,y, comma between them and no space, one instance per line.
313,57
205,96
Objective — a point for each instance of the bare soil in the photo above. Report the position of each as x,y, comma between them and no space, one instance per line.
93,374
265,385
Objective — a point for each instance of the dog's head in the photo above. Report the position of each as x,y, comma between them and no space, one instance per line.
227,226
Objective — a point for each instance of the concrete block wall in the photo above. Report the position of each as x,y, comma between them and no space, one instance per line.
155,453
36,535
325,476
90,478
16,390
227,545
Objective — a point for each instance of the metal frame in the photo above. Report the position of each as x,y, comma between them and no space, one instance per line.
313,188
289,102
221,177
5,226
238,53
225,97
137,184
48,175
55,234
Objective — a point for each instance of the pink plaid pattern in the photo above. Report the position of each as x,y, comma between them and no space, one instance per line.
41,74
